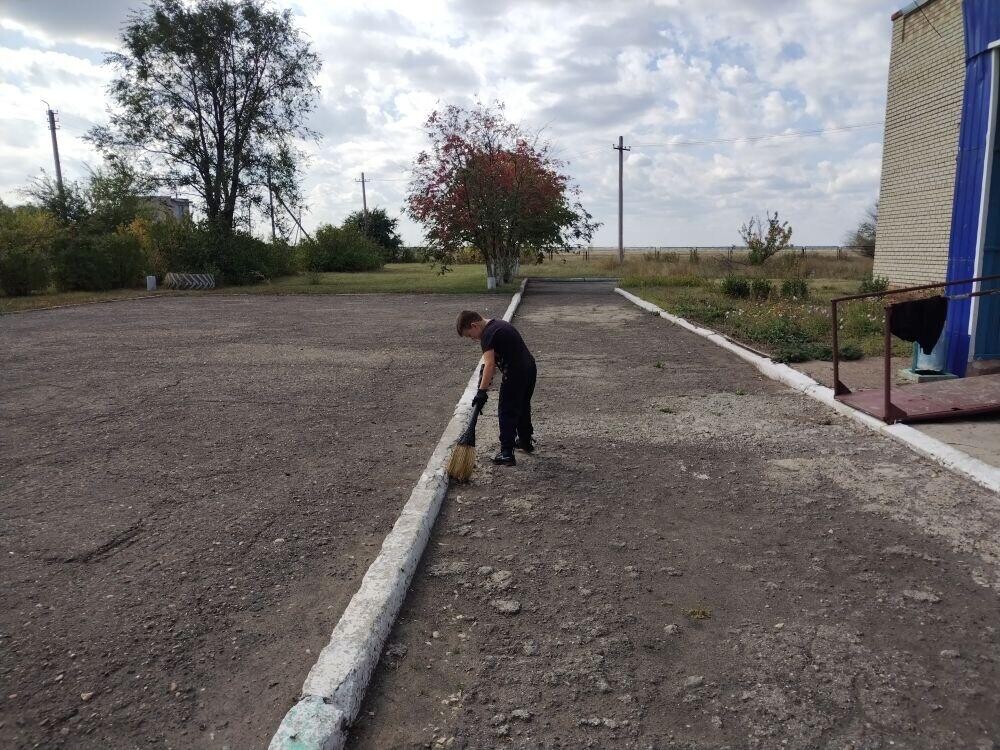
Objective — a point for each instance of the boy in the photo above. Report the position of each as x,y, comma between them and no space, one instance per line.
503,347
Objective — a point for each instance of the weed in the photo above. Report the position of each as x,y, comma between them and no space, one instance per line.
740,392
761,289
871,284
666,410
658,365
736,287
796,288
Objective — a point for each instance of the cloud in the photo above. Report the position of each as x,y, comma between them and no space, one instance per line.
57,20
662,73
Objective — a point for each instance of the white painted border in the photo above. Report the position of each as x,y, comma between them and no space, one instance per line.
332,693
962,463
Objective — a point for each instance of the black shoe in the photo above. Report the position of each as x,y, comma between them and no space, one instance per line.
527,447
505,458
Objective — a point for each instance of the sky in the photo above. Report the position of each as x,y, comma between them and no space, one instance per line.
682,80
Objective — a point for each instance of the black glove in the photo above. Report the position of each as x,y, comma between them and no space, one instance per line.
480,398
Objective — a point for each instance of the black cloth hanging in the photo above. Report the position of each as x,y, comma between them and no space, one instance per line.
921,320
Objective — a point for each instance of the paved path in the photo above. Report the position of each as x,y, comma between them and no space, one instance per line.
190,492
699,558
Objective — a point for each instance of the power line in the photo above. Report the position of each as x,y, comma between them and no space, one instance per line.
756,138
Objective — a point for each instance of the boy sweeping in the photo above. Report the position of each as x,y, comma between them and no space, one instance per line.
504,348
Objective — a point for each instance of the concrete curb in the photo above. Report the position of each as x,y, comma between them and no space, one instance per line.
335,686
951,458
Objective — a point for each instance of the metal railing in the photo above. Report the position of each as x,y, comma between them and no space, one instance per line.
892,413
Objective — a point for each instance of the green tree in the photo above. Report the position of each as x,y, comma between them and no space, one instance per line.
111,197
764,239
376,225
212,96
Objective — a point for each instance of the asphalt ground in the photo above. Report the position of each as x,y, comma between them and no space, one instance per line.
696,557
190,492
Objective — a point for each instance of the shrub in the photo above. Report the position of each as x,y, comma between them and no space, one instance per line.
851,352
86,262
693,257
23,270
761,288
334,249
378,227
736,286
870,284
244,259
795,289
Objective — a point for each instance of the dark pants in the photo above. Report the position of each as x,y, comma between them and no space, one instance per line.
515,407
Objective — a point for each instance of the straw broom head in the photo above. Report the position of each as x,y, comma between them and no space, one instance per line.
463,458
463,461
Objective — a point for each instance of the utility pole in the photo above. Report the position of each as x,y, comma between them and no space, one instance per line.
364,200
270,200
621,148
55,146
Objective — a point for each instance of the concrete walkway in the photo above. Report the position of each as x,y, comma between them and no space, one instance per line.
697,557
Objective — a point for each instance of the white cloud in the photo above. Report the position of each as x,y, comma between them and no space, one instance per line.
586,71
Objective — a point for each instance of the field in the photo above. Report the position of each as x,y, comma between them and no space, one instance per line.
688,285
192,488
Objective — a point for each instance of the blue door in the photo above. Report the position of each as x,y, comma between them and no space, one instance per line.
987,344
988,323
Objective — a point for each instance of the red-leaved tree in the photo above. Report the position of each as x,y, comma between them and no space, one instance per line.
485,183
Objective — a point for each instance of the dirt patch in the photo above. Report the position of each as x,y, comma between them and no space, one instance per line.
746,569
192,489
858,374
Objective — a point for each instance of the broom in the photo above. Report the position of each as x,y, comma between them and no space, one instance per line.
463,459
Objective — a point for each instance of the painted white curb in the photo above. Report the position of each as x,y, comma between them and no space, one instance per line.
332,693
958,461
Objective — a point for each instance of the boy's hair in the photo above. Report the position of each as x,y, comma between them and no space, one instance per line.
466,318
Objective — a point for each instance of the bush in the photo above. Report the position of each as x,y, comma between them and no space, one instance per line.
870,284
334,249
244,259
412,254
23,270
761,288
89,263
736,286
795,289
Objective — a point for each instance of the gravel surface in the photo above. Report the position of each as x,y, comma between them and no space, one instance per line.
191,491
696,557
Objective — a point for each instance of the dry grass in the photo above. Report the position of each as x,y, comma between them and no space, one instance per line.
652,269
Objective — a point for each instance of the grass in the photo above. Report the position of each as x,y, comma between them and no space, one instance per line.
791,330
395,278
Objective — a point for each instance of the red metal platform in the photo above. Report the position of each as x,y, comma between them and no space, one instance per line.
925,401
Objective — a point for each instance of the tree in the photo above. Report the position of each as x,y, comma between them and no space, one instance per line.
862,237
376,225
68,205
112,196
212,95
485,183
763,242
